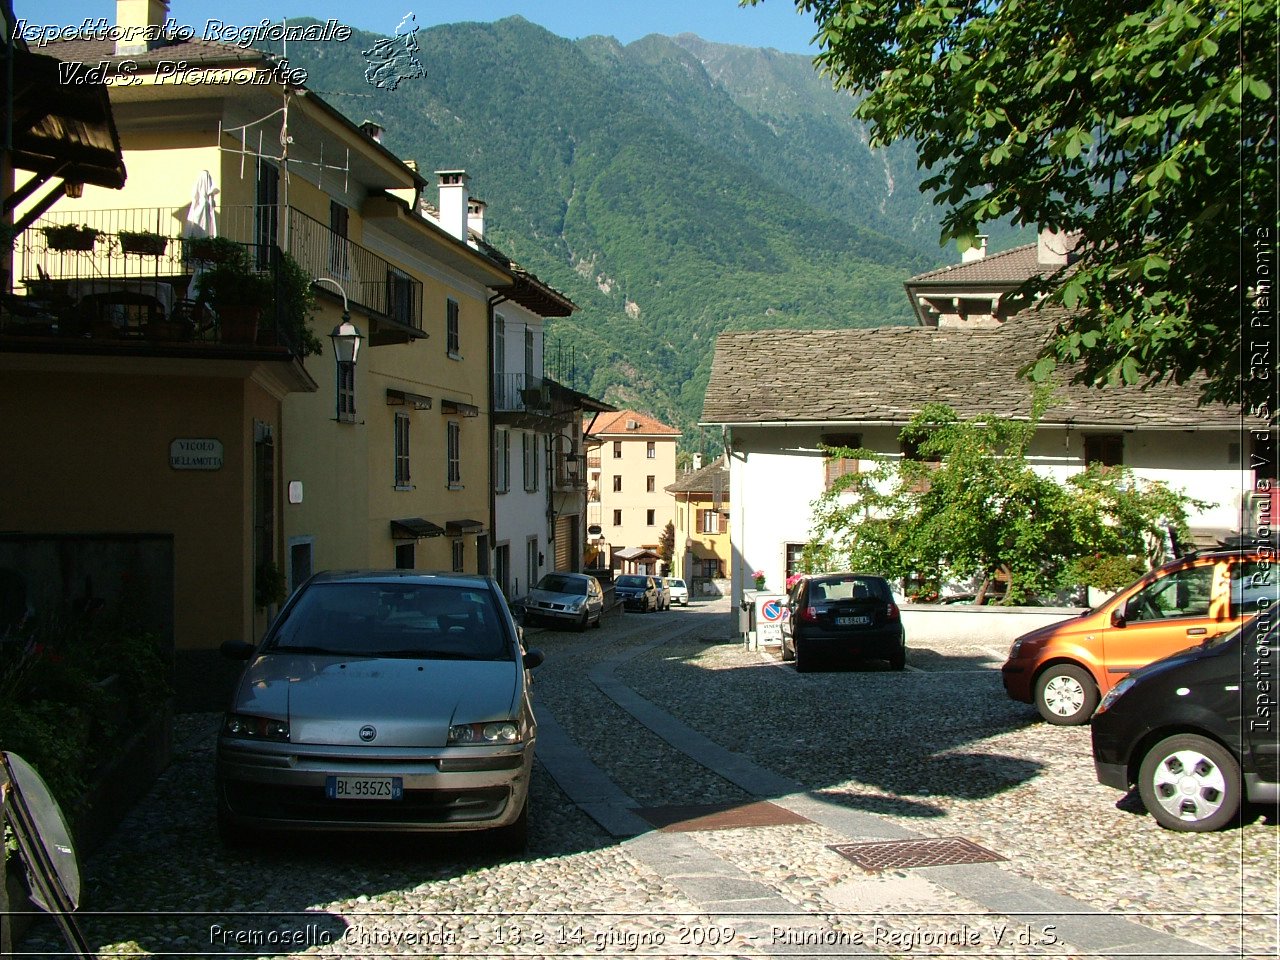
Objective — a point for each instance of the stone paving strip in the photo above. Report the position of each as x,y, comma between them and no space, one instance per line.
1036,911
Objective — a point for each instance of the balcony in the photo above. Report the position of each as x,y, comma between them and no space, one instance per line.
373,285
524,400
107,269
126,284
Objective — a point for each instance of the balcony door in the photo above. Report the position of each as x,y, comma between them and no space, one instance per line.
266,212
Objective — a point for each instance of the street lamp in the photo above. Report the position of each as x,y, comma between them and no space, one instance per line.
346,335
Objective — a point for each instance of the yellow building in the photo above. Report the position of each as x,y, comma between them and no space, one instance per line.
631,459
702,524
145,411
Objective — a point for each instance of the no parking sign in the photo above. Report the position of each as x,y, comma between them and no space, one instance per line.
771,612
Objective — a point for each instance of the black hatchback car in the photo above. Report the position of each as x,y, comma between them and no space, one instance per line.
1197,732
637,591
850,616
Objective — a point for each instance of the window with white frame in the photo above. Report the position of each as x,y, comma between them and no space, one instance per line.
708,521
502,461
402,451
452,336
455,454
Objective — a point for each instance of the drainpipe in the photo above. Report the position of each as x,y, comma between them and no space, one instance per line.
496,299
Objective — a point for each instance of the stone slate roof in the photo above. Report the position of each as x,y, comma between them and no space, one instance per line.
195,51
702,481
616,423
1009,266
885,374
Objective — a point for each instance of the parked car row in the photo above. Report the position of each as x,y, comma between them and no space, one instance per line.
1178,675
645,592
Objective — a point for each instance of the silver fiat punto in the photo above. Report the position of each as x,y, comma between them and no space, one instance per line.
394,700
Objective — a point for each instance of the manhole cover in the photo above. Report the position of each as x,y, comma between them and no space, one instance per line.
905,854
719,816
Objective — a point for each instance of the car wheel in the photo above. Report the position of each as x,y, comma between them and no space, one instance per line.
599,620
1190,783
582,622
514,837
898,661
1066,695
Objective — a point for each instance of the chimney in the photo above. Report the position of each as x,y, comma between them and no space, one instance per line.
475,217
453,202
141,26
697,461
1053,247
976,252
373,130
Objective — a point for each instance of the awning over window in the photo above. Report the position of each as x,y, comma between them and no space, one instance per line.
456,528
448,406
403,398
414,528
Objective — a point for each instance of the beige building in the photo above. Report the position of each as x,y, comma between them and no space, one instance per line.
702,549
144,410
631,459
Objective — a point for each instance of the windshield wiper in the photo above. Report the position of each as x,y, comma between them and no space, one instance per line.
319,651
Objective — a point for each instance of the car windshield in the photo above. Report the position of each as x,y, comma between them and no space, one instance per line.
676,583
397,619
847,588
630,581
557,583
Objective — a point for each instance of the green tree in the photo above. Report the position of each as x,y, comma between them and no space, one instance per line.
971,508
667,544
1148,128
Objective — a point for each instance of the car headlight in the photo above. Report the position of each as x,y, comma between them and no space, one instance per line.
246,727
575,604
1015,649
503,731
1115,693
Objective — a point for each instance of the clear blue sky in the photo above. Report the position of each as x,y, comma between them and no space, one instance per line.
773,23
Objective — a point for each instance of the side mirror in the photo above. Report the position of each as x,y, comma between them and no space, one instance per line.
532,659
1118,616
237,649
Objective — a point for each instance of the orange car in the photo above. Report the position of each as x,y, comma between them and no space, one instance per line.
1066,667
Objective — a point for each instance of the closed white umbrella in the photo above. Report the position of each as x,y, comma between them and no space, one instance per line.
202,217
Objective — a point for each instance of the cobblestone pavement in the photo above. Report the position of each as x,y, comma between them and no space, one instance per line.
662,710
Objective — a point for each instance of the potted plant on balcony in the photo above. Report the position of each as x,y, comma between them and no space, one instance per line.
146,243
212,249
70,236
296,303
237,293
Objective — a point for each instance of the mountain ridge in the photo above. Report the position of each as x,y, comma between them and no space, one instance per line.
672,187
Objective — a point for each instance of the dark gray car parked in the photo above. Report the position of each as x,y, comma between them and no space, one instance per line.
392,700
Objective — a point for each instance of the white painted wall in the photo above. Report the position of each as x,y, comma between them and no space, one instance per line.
520,514
775,474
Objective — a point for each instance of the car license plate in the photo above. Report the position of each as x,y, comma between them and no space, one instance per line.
853,621
363,788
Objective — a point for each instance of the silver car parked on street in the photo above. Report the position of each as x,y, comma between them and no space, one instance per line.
394,701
